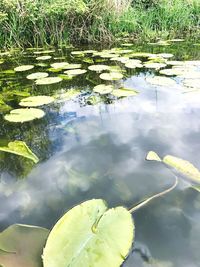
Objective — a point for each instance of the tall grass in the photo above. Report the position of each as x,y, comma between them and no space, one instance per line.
55,22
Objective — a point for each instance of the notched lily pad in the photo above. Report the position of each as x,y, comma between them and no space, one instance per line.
20,148
36,101
90,234
24,115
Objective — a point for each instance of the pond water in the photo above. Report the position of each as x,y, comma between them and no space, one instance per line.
94,146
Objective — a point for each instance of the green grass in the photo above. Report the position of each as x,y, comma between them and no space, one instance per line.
56,22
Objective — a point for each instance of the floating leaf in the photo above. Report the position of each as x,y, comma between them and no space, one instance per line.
22,245
24,115
37,75
44,52
112,76
152,65
60,65
24,68
98,68
153,156
161,81
48,80
124,92
103,89
75,72
73,66
44,58
166,55
90,234
36,101
134,63
20,148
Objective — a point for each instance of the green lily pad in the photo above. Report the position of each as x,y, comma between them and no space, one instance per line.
75,72
78,53
161,81
20,148
112,76
140,54
48,80
90,234
24,115
37,75
154,65
22,245
23,68
133,63
44,58
103,89
73,66
98,68
36,101
66,77
124,92
60,65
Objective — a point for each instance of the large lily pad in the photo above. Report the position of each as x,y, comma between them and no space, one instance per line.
124,92
103,89
154,65
20,148
73,66
24,115
24,68
60,65
98,68
75,72
36,101
37,75
48,80
21,246
90,234
111,76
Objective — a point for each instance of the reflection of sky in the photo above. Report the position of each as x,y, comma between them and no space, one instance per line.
102,156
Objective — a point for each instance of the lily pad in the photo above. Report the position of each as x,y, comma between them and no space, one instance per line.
22,245
24,68
36,101
124,92
154,65
44,58
24,115
72,66
161,81
90,234
60,65
112,76
37,75
134,63
103,89
166,55
98,68
75,72
20,148
48,80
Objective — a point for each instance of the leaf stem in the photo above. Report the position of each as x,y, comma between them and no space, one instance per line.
146,201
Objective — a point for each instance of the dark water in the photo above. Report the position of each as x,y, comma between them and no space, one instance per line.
98,151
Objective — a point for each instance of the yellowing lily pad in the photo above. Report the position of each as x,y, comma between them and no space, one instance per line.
112,76
24,115
20,148
36,101
103,89
75,72
98,68
90,234
44,58
37,75
24,68
124,92
48,80
161,81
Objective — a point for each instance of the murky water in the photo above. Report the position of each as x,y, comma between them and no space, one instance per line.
98,151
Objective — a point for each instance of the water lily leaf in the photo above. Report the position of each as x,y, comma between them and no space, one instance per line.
121,59
154,65
153,156
88,60
124,92
112,76
90,234
24,68
24,115
36,101
44,58
37,75
98,68
127,44
140,54
21,246
48,80
73,66
103,89
75,72
166,55
60,65
133,63
171,72
161,81
4,107
43,52
78,53
20,148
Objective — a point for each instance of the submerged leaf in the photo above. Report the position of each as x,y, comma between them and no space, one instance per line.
21,246
20,148
24,115
36,101
90,234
